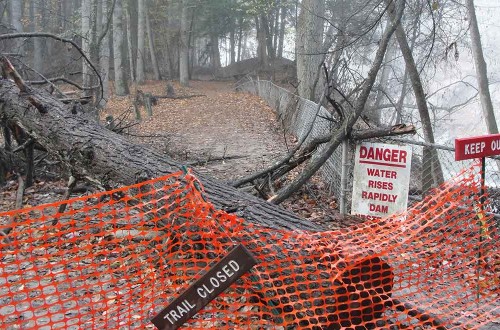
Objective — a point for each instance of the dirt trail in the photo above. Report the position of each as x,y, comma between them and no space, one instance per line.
222,123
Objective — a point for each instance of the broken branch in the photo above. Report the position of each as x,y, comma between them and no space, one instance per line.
377,132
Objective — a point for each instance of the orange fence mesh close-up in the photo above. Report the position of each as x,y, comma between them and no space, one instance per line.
114,260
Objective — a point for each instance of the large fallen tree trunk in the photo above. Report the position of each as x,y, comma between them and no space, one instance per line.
91,151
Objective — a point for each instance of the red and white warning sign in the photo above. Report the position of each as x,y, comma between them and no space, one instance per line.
381,179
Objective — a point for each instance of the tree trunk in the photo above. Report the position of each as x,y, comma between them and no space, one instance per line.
232,43
240,36
281,39
261,43
214,53
85,12
3,10
267,35
16,15
276,24
141,45
375,113
183,45
104,51
309,47
38,62
111,159
154,61
130,51
121,83
244,47
481,70
404,87
418,90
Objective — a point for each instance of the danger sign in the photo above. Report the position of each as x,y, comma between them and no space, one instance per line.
381,179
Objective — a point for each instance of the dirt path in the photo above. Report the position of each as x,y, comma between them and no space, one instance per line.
222,123
225,122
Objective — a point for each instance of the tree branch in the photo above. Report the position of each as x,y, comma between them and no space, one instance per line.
378,132
53,36
347,125
56,79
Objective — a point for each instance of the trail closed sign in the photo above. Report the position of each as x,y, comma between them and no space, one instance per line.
381,179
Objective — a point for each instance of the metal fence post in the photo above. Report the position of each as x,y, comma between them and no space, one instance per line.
343,179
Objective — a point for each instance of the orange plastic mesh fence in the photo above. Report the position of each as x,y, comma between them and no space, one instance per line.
113,260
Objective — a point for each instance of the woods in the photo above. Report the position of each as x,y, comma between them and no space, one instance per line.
86,87
126,43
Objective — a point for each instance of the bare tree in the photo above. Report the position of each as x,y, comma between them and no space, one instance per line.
87,34
38,58
481,70
16,12
154,61
435,171
121,84
141,33
281,38
103,22
309,47
183,45
346,126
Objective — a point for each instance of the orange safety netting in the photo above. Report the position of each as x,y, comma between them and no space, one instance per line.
113,260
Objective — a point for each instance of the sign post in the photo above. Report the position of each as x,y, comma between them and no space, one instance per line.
381,179
478,147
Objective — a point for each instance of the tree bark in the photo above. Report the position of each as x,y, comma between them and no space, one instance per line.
261,43
183,45
281,39
130,50
104,51
214,53
481,70
232,41
38,62
309,47
404,87
16,13
240,37
141,45
100,154
121,83
267,35
87,36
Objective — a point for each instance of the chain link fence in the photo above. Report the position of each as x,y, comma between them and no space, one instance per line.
296,114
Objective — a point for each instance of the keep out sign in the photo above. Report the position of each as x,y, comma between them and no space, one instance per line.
381,179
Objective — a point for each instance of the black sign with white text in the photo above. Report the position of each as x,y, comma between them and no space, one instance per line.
217,279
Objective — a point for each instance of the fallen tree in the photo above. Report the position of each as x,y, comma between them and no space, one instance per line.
89,151
109,160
